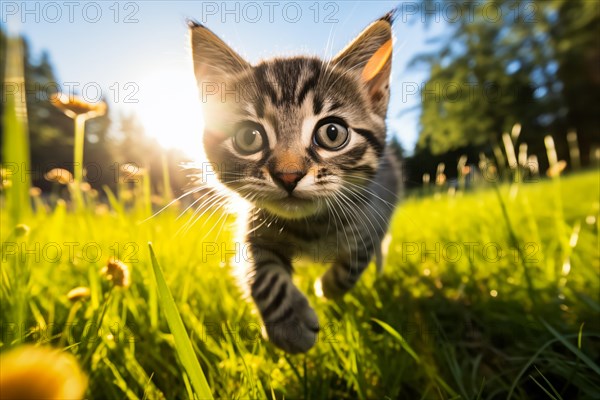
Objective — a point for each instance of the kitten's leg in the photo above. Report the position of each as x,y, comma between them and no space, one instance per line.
289,320
345,272
363,235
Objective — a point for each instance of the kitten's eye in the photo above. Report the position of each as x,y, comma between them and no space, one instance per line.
249,139
332,135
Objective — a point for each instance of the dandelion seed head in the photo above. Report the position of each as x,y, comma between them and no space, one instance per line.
117,272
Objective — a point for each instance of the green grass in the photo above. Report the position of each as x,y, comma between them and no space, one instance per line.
435,325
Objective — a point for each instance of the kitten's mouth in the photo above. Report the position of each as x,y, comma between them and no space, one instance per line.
292,207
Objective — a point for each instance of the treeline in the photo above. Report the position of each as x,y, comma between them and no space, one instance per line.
535,63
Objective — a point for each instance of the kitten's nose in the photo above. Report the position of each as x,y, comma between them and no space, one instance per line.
288,180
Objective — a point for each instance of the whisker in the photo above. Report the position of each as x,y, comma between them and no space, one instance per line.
170,204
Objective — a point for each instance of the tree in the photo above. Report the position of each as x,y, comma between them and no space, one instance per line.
535,63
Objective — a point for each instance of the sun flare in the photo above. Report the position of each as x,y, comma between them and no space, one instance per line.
170,110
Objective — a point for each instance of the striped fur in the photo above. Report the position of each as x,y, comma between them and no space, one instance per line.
304,141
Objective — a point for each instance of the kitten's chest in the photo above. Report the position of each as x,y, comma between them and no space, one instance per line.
315,240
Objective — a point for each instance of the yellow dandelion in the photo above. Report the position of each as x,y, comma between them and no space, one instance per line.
74,106
117,272
78,293
59,175
79,110
30,372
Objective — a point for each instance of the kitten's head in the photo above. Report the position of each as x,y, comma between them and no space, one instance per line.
295,135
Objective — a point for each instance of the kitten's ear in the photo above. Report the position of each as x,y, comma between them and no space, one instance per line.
370,54
212,56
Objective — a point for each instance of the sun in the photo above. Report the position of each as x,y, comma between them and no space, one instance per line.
170,109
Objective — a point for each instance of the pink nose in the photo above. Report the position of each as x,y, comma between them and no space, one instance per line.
288,180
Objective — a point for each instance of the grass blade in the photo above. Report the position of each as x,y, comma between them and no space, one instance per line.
183,345
543,388
15,141
404,344
556,394
400,339
587,361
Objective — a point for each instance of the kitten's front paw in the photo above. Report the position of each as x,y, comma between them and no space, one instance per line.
296,328
335,282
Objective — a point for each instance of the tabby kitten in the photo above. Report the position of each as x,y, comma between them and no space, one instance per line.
304,141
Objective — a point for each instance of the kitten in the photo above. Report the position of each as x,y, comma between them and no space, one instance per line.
304,141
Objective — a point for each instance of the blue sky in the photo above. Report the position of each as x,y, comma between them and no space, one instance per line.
136,52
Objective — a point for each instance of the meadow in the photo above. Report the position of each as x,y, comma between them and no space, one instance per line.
491,293
486,293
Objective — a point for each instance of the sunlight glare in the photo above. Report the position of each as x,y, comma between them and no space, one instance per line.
170,110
